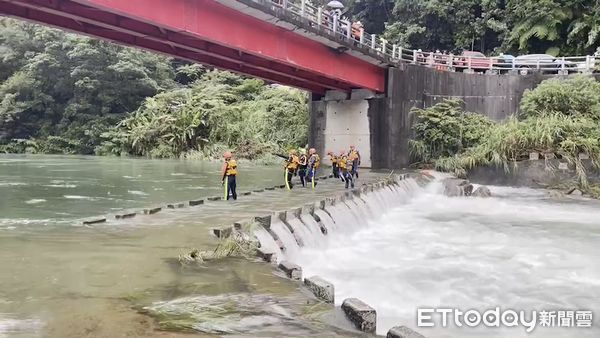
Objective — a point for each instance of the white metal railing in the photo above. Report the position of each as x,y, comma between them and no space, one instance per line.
343,29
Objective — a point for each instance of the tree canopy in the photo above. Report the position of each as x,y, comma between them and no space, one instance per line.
562,27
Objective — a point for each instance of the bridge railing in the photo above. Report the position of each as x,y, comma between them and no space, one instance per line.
332,23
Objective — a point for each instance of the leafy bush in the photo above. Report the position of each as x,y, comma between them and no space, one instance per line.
513,140
219,111
445,129
578,96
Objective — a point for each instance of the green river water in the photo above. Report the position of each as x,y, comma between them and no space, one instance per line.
62,279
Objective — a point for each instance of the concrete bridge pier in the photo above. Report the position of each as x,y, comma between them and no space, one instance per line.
339,119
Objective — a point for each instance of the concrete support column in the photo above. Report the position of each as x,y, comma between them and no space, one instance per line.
339,120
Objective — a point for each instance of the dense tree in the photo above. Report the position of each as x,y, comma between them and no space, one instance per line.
219,110
57,84
517,26
63,93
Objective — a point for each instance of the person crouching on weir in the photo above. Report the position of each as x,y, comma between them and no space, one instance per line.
334,167
229,172
346,169
314,161
303,164
354,157
291,165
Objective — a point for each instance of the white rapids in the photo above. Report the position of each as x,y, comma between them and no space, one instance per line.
404,247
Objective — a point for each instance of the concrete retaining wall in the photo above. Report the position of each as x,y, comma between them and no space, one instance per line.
532,173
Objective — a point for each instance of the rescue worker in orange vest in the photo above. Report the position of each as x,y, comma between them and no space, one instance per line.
229,172
291,165
303,164
334,166
314,161
354,157
345,169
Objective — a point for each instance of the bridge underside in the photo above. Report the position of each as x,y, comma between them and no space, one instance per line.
210,33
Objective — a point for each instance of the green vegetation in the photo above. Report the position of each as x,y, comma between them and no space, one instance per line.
67,94
554,120
220,110
535,26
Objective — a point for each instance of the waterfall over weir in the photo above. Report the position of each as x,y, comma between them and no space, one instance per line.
313,226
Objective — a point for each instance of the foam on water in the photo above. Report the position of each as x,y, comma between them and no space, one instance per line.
35,201
519,250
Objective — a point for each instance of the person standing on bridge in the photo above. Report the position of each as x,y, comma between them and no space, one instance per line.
314,161
354,157
229,172
291,165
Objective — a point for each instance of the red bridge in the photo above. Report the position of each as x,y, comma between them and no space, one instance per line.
226,34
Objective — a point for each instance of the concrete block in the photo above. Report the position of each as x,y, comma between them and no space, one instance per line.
241,224
222,232
264,221
282,186
322,204
360,314
331,176
269,188
152,211
215,198
309,208
296,212
246,193
281,215
403,332
291,270
125,215
265,255
194,203
258,190
175,205
94,221
321,288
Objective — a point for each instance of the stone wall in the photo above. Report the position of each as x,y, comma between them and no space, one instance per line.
532,173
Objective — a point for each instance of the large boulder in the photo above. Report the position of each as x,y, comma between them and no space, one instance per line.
482,191
454,187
